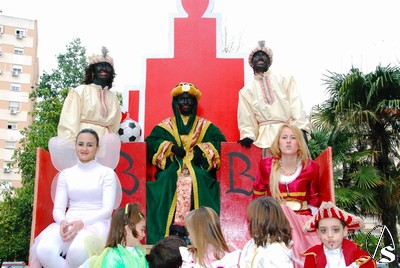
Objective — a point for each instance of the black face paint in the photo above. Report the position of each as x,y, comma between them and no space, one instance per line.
103,72
260,62
186,103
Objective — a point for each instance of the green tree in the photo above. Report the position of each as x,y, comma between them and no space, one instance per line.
48,98
366,108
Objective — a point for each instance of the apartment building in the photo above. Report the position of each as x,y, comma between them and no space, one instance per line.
19,73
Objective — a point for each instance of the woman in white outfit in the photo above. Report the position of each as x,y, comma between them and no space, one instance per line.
84,201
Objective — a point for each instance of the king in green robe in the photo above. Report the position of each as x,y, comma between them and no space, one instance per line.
185,149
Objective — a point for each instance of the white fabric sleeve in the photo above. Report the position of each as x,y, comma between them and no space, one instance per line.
296,106
247,123
61,198
69,124
117,118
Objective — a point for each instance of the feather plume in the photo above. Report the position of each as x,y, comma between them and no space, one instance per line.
104,51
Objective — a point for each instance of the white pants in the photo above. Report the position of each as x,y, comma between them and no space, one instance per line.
51,246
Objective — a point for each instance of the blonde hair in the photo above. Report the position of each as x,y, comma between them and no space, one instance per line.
268,222
205,228
303,154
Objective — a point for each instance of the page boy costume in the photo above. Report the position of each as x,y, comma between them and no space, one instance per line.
348,255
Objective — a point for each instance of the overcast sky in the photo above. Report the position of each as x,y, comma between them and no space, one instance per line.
307,37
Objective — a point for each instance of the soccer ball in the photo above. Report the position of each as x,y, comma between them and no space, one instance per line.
129,131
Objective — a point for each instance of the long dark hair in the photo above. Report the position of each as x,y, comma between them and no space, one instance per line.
130,215
268,222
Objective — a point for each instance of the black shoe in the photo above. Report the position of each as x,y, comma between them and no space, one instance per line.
177,230
180,231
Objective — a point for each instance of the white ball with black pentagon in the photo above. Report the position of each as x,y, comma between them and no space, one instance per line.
129,131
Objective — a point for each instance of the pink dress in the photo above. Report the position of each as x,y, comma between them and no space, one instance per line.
302,191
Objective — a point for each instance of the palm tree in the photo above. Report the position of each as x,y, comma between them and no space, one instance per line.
366,109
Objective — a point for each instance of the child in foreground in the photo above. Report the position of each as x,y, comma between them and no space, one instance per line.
209,245
271,236
123,247
332,225
165,254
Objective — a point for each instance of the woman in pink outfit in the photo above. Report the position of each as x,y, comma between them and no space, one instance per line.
292,177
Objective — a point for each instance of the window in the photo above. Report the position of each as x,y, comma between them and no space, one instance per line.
1,29
10,145
12,125
7,168
16,70
15,87
20,33
14,107
18,51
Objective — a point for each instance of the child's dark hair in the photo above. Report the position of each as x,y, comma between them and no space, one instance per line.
268,222
91,131
130,215
165,254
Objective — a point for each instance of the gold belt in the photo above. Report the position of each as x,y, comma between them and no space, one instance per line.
296,205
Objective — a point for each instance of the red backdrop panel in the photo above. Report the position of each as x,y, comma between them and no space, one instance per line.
131,171
326,179
195,61
133,104
42,202
236,175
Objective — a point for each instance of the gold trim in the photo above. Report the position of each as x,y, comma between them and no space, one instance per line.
258,192
362,260
295,194
160,157
171,211
195,186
